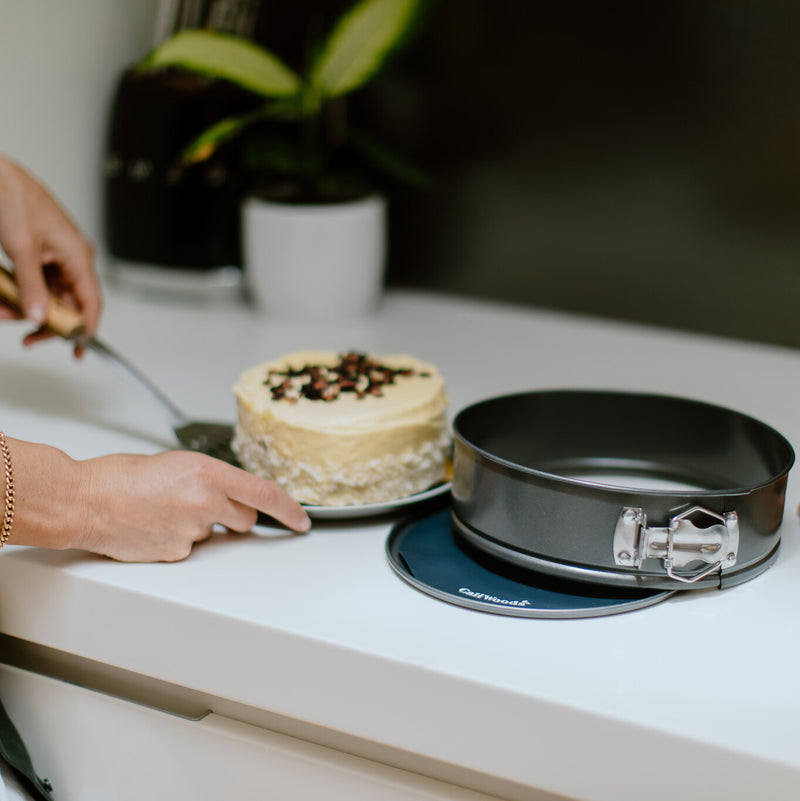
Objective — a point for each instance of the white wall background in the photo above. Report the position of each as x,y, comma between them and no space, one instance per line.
59,62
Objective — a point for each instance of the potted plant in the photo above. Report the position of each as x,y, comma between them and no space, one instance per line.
310,172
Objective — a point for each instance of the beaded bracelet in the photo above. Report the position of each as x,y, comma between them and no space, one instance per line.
8,514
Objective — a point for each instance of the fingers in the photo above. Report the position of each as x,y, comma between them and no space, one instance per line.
87,291
49,252
76,283
33,292
7,313
39,335
238,517
254,493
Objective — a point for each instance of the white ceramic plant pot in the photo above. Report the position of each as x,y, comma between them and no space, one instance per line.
315,261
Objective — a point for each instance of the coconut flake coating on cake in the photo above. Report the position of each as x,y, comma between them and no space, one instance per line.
338,429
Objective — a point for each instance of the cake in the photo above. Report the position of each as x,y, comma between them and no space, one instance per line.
343,429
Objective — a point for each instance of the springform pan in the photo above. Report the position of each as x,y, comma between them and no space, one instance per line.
617,488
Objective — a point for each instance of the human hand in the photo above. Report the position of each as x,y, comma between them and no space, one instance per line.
137,508
50,254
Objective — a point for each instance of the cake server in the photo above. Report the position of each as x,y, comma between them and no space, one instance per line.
207,437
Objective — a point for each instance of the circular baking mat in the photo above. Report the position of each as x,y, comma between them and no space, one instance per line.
424,552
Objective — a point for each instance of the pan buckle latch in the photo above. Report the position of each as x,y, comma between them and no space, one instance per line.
695,535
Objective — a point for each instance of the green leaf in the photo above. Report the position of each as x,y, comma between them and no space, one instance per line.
232,58
204,145
360,43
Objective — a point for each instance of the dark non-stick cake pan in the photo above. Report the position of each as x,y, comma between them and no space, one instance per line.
620,489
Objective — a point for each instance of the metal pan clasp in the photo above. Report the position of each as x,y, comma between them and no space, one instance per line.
695,535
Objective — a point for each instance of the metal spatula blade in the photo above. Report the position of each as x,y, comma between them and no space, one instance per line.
211,438
206,437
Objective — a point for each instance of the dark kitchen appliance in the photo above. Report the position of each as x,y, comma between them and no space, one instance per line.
170,226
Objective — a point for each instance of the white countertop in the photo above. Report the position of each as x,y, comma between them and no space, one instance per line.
696,697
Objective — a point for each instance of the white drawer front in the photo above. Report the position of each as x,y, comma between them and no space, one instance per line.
94,746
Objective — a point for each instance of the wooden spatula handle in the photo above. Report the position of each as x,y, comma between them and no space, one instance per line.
61,319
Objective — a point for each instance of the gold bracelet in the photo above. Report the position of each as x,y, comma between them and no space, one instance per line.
8,515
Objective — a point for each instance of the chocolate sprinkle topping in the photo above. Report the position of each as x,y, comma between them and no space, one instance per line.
354,372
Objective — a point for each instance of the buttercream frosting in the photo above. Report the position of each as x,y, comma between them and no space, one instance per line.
338,430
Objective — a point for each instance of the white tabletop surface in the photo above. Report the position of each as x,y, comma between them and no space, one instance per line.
697,697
